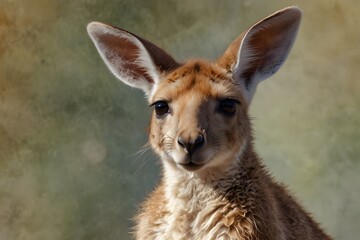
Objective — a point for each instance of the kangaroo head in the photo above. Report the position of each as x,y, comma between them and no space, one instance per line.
200,117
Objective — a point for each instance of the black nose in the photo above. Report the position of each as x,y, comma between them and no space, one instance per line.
191,145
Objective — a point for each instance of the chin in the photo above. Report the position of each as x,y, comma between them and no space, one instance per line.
191,167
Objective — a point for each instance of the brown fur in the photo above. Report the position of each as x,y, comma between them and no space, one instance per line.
213,185
248,201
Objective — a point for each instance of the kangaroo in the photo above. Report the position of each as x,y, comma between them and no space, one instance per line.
214,185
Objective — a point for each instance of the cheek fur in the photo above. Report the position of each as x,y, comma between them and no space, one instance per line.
155,135
162,134
229,133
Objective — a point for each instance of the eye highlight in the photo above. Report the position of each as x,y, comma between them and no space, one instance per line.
228,106
161,108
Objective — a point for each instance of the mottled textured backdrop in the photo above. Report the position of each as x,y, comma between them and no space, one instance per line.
69,131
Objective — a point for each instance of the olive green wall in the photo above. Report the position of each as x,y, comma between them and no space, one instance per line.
69,130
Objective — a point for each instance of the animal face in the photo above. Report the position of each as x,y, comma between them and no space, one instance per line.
200,108
200,117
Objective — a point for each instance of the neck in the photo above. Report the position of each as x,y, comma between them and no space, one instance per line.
193,186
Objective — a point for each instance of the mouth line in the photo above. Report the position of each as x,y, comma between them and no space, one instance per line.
191,166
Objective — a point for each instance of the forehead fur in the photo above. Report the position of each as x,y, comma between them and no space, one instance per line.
197,77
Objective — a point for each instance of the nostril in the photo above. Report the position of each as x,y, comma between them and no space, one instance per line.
181,142
198,141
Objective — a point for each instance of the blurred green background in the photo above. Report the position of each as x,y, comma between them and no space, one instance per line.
69,131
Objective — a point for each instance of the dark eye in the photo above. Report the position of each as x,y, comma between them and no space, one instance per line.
161,108
228,106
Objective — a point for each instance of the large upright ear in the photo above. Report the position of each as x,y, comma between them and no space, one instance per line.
260,51
135,61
